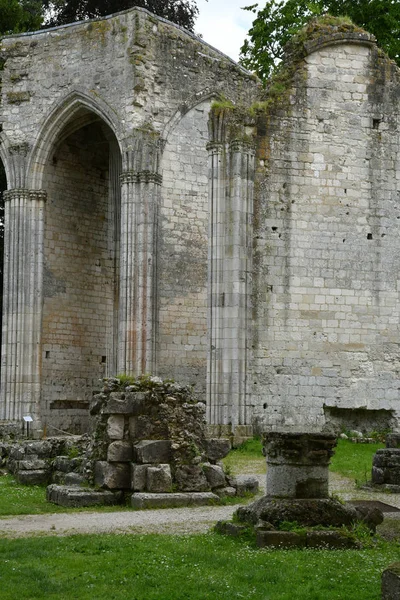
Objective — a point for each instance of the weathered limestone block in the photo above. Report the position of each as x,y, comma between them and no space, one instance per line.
245,484
159,479
78,497
17,453
378,475
74,479
393,440
152,451
386,468
391,582
214,475
32,464
139,477
115,427
298,464
62,463
114,476
35,477
228,492
174,500
387,457
217,448
191,478
307,512
120,451
125,403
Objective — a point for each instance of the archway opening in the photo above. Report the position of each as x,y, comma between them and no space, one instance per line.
81,263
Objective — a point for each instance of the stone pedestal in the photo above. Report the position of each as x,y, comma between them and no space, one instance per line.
391,582
298,464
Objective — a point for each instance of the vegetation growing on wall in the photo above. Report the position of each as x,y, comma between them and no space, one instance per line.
278,21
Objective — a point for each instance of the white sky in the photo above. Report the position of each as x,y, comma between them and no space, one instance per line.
223,24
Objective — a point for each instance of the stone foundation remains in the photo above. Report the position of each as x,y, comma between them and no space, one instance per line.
150,442
386,466
297,493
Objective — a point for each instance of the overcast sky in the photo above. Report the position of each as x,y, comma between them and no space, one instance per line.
223,24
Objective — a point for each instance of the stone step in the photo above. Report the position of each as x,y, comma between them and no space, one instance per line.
173,500
74,496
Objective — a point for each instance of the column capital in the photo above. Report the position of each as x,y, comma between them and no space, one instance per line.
132,176
215,148
243,146
17,193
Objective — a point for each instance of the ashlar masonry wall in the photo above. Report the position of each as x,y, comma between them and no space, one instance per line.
183,265
104,133
327,247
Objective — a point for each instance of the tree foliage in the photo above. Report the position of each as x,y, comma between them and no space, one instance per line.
17,16
279,20
182,12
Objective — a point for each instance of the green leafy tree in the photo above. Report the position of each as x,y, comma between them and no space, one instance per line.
279,20
182,12
17,16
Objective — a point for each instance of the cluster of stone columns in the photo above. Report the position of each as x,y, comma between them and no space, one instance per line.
135,226
136,183
22,303
140,198
231,182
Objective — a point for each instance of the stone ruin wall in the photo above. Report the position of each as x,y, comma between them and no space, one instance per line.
111,89
296,296
327,248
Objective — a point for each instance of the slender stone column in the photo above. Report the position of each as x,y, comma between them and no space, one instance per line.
140,198
22,304
230,268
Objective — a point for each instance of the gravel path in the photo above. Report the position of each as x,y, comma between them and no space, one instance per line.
172,521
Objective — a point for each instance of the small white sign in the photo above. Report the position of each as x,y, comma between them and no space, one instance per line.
28,419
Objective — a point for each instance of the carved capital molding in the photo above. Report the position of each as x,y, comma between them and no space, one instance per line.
19,149
132,176
143,152
215,148
242,146
22,193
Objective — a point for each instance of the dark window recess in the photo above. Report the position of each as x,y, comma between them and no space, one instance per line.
104,359
375,123
369,236
47,355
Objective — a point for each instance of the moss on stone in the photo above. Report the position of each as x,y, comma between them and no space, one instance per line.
18,97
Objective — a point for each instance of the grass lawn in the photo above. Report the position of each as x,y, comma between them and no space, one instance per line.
354,460
150,567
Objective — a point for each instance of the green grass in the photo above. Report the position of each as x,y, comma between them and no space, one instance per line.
354,460
247,458
17,499
178,567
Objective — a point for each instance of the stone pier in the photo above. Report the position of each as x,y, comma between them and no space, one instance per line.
298,464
